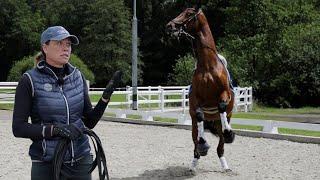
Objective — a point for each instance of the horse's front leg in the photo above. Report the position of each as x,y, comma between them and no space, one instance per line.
226,128
196,155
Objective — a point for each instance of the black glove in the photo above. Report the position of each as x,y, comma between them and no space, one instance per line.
112,85
70,131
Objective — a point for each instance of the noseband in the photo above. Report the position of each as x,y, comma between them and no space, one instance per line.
183,25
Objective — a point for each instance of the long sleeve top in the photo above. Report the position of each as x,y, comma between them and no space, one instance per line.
23,105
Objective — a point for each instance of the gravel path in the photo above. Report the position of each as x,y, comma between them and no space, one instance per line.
148,152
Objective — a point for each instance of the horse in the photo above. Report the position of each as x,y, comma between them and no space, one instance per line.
211,98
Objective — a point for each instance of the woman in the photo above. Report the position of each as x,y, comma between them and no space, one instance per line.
55,95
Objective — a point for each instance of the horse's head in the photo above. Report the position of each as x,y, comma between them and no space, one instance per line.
186,23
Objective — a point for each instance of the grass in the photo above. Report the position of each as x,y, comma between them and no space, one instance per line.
132,116
260,116
299,132
247,127
257,108
6,106
259,112
161,119
7,91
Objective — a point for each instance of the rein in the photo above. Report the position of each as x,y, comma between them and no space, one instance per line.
99,161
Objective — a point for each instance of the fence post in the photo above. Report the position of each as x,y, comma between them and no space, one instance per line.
250,99
162,100
246,100
183,100
147,117
159,96
149,96
88,85
121,114
235,105
128,96
181,119
270,128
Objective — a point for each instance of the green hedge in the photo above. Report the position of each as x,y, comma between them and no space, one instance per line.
27,63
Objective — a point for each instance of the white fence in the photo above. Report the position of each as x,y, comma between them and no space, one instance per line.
268,126
161,97
165,98
173,98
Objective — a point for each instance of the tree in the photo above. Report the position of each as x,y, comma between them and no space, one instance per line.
107,40
258,50
182,71
28,62
19,33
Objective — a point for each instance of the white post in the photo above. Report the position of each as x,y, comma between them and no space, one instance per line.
181,119
162,100
128,96
235,105
147,117
183,100
246,100
149,96
159,97
269,127
250,99
88,85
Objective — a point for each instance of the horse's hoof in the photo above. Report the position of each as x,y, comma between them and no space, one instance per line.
228,136
227,170
203,149
192,171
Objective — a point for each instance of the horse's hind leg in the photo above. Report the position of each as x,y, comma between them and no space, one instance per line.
220,148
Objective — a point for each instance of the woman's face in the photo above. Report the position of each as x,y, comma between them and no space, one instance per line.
57,52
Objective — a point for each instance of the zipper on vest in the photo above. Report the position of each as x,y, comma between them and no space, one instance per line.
68,122
68,114
44,145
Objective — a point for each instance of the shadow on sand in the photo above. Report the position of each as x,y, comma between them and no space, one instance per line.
172,172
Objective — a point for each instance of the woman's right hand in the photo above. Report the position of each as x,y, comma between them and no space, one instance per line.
70,131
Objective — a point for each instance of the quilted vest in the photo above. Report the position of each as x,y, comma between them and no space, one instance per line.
57,103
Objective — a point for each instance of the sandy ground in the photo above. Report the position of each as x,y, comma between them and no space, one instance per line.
148,152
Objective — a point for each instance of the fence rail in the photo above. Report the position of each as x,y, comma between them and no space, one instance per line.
268,126
165,98
243,102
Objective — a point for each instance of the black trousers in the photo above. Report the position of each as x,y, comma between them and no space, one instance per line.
44,170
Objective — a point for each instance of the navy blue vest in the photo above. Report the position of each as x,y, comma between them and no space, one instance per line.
55,103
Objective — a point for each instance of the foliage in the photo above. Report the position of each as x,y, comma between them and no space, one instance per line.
78,63
182,71
19,33
28,62
107,40
270,54
270,45
20,67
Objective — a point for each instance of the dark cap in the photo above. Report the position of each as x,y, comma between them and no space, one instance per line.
57,33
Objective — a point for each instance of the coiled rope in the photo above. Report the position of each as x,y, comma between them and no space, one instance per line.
59,168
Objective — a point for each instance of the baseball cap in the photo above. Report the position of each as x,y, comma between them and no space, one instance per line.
57,33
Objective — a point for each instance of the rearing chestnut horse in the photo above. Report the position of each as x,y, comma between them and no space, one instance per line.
211,98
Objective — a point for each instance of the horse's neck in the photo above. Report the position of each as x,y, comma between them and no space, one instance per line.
206,49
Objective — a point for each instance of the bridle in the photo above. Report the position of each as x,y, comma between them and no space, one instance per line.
181,30
183,25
